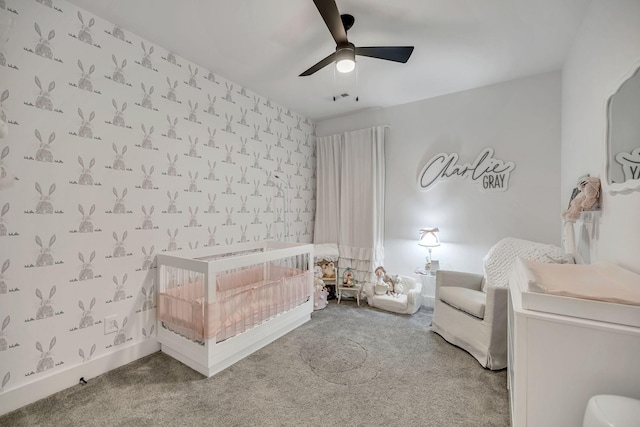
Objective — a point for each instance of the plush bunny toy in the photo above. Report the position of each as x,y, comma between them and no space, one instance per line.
586,200
318,282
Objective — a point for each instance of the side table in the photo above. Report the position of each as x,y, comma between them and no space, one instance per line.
428,287
356,288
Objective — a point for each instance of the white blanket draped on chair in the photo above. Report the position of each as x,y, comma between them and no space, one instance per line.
350,198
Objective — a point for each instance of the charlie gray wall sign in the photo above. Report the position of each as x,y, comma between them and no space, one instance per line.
491,174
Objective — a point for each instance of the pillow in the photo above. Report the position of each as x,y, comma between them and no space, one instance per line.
500,258
406,284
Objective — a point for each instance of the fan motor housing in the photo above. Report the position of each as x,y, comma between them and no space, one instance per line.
346,51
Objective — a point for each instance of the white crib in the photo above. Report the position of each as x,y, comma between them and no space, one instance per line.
219,305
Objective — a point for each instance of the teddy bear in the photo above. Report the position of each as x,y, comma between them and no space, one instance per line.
398,289
586,200
329,269
388,280
395,288
321,293
318,282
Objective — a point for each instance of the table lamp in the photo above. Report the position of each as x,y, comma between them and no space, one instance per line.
429,239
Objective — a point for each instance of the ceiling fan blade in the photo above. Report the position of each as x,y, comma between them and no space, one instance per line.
329,12
390,53
326,61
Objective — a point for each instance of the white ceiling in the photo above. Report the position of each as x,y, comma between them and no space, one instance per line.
264,45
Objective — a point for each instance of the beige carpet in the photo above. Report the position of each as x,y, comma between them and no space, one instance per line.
349,366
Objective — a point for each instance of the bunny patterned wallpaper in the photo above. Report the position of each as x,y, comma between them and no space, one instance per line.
119,150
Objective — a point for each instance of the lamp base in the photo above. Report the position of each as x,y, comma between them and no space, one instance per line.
435,266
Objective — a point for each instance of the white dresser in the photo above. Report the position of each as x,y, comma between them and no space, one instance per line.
558,361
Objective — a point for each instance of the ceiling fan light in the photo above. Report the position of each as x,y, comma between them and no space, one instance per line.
345,59
345,65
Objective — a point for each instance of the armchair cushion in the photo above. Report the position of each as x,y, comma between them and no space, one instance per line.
407,283
465,299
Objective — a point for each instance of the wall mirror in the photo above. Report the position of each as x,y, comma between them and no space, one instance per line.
623,137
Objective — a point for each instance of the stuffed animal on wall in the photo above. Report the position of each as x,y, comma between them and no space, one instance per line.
586,200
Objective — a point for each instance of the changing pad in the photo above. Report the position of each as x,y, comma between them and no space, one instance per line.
601,282
581,291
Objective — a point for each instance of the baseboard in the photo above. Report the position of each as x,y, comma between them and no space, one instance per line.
57,381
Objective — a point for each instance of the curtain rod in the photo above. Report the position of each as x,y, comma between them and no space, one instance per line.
356,130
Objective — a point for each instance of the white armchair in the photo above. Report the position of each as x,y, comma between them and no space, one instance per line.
470,309
408,302
471,318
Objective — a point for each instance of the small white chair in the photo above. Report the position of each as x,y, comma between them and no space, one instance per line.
408,302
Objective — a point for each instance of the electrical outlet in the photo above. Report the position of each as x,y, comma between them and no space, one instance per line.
110,324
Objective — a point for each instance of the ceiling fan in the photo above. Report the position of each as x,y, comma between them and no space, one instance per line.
345,53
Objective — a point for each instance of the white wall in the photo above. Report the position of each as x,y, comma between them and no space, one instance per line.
520,119
606,49
41,305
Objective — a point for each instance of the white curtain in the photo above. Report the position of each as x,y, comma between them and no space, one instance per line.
327,220
350,198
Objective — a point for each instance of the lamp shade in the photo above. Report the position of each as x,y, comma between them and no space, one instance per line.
429,237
